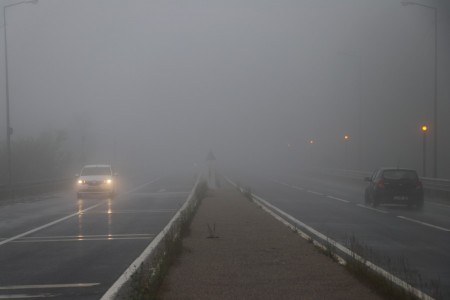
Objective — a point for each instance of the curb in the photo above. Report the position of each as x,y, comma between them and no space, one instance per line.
288,221
148,255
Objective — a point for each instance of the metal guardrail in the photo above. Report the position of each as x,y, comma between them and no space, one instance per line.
19,189
435,187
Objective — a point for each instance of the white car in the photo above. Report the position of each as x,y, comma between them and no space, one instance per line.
96,180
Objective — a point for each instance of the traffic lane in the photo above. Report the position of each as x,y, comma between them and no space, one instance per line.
93,248
433,214
27,213
393,239
22,216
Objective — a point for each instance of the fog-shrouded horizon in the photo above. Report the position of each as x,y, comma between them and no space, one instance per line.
158,84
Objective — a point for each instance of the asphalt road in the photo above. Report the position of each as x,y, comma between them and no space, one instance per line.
60,247
394,237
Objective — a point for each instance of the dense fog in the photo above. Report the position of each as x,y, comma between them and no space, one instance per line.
155,85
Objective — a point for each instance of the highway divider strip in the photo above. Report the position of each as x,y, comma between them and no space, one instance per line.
289,220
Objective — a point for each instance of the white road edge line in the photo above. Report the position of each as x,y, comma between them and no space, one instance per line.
371,208
286,219
48,286
423,223
63,219
338,199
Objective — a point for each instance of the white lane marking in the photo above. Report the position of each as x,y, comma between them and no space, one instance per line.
48,286
85,238
298,188
286,219
438,204
143,211
315,193
165,194
338,199
64,218
142,185
117,285
24,296
374,209
423,223
49,224
93,236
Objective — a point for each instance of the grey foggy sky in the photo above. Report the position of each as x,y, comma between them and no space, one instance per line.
169,80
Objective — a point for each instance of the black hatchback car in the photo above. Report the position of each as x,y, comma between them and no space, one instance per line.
391,185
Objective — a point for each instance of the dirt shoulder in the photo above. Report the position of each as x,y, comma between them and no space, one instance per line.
253,256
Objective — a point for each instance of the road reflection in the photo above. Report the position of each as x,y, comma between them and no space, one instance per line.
81,208
80,219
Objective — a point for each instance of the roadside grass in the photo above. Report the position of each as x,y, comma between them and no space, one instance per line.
147,280
363,257
399,267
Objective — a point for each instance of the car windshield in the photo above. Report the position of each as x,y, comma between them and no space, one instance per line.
400,174
96,171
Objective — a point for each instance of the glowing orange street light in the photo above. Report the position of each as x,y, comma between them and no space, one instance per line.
346,139
424,129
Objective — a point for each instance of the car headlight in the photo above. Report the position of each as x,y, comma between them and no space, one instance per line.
108,181
80,181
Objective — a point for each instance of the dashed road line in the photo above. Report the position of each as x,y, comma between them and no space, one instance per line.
298,188
315,193
374,209
424,223
338,199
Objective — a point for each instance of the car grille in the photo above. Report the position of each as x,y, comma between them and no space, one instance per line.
94,183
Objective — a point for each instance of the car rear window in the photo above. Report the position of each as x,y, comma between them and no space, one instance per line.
96,171
400,174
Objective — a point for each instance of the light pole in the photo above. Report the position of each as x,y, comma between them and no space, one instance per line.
9,130
424,129
346,139
358,58
311,152
435,100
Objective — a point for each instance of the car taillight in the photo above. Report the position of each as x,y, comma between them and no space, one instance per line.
380,184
